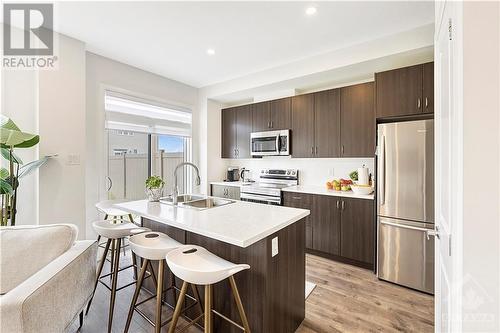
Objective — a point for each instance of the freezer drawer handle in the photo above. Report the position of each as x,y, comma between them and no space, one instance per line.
407,227
434,233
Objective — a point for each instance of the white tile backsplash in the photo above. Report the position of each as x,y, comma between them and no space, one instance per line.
312,171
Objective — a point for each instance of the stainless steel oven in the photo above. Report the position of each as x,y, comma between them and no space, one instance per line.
268,189
270,143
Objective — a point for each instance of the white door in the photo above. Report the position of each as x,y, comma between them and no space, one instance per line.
448,158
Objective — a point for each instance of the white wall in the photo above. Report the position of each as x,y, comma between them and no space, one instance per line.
104,73
481,153
61,108
23,111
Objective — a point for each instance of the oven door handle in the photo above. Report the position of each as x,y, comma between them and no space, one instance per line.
260,198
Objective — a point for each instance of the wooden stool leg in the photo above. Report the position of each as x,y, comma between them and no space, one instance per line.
113,250
178,308
208,309
159,294
237,298
136,294
113,284
99,271
134,263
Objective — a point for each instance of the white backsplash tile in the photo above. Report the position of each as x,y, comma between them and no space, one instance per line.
312,171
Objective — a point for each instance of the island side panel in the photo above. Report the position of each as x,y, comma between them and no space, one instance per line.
272,291
286,280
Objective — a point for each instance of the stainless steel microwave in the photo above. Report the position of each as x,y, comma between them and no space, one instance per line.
270,143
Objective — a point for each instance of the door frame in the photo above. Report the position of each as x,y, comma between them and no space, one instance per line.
444,12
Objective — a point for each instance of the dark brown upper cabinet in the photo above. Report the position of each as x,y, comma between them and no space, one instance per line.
357,229
261,117
316,124
236,128
400,92
428,97
327,123
228,149
303,126
357,118
280,113
272,115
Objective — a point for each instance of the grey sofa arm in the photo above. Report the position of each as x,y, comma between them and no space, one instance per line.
52,298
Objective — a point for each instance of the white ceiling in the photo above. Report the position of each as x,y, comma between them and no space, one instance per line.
171,38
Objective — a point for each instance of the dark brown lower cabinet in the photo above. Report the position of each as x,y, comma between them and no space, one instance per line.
326,224
338,228
304,201
357,230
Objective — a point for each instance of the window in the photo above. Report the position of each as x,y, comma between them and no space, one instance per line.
145,139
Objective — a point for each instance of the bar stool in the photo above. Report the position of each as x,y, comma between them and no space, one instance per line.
115,215
155,246
114,232
195,265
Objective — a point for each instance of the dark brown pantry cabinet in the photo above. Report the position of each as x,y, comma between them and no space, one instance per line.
236,128
357,120
405,91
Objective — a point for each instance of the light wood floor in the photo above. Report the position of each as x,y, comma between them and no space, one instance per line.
346,299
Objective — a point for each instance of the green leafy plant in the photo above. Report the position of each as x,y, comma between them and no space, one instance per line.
12,137
154,182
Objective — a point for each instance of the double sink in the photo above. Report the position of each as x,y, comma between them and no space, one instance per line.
198,202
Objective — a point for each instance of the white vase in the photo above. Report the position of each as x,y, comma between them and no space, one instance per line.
154,194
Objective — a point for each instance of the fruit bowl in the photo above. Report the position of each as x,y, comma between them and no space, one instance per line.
362,189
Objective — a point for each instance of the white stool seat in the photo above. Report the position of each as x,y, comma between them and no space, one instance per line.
152,245
194,264
108,229
106,207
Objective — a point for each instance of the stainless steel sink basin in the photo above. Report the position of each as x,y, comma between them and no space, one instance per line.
182,198
207,203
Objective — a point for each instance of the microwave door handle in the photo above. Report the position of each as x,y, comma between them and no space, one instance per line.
277,144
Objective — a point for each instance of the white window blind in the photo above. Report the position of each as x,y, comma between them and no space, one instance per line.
129,113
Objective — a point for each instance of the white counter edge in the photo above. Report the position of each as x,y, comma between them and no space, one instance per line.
321,191
218,237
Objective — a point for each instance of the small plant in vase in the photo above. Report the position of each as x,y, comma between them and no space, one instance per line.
154,188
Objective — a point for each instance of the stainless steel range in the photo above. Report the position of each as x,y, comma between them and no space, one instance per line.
268,189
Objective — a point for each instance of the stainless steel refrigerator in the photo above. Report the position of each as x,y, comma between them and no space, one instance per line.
405,203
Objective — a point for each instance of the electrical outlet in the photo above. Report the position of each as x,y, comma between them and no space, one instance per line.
274,246
73,159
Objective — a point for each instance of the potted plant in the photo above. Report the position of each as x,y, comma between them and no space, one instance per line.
12,137
154,188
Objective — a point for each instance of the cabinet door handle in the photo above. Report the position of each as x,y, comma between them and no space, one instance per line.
419,103
338,203
316,150
312,150
296,198
342,149
426,102
271,124
268,124
343,204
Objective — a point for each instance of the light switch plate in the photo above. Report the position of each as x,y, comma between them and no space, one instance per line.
73,159
274,246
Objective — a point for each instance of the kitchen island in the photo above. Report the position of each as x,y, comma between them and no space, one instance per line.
272,290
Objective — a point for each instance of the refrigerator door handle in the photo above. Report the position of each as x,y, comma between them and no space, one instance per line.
404,226
382,171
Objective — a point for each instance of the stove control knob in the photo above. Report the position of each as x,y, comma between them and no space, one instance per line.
293,172
288,172
261,171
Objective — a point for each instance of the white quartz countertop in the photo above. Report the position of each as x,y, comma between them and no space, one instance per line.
239,223
321,190
235,184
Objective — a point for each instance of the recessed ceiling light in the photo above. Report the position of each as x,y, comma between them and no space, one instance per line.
311,10
210,51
